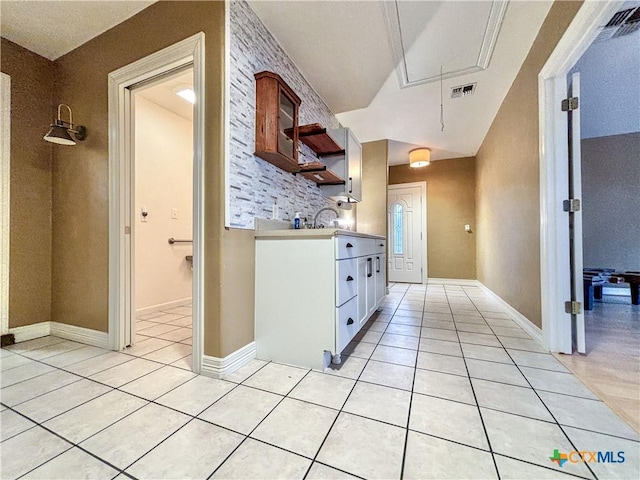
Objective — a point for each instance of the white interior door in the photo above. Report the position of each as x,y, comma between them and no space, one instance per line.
406,220
575,218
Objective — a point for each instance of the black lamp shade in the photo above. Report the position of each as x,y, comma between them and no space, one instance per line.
60,135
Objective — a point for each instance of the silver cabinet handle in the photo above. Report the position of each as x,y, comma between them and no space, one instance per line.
350,185
369,267
378,265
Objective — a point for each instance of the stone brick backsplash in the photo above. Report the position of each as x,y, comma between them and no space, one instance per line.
254,184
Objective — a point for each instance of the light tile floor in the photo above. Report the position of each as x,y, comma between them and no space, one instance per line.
441,384
165,336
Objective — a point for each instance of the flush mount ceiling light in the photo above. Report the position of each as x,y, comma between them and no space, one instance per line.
186,92
60,131
419,157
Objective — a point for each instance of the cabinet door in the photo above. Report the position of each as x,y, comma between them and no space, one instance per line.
354,157
381,278
363,312
287,123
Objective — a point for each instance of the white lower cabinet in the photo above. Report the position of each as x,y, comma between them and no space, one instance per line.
315,289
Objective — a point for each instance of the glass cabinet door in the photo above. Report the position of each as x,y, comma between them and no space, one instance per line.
286,121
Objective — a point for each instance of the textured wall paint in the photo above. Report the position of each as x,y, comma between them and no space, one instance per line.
611,201
32,110
254,183
507,185
163,181
372,210
451,252
81,181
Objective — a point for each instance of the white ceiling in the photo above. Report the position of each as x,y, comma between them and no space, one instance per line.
408,117
53,28
163,93
345,50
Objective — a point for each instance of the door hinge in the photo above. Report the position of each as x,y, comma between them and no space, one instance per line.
571,205
573,308
570,104
127,230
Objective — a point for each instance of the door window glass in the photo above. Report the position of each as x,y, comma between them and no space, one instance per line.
397,229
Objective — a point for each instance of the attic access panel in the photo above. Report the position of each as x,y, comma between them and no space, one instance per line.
459,36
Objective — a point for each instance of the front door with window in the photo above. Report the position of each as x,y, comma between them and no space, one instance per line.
406,236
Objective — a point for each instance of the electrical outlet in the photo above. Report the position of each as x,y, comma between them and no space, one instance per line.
174,213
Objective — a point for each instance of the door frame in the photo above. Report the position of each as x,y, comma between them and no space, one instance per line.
5,200
190,51
555,277
423,223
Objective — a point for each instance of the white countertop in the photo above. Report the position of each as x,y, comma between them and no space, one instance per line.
302,233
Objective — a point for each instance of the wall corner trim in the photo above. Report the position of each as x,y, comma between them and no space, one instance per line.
218,367
68,332
523,322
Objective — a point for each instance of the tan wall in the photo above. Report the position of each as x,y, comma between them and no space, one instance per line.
238,290
451,252
32,111
372,210
507,189
163,181
611,201
80,178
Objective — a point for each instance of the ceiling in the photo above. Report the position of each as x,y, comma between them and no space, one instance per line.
163,93
375,63
53,28
346,51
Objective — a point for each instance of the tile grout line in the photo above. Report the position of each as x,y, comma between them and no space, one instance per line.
475,397
543,403
413,383
260,422
341,410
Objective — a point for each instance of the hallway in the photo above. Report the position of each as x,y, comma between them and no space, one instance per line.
440,384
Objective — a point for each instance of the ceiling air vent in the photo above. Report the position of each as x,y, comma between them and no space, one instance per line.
622,23
463,90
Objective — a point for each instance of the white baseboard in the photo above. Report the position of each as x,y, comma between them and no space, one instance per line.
162,306
62,330
80,334
533,330
29,332
452,281
219,367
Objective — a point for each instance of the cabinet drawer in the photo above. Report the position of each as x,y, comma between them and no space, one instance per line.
367,246
381,246
346,280
347,247
347,323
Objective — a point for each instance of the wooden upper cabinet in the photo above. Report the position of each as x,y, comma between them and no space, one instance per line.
276,122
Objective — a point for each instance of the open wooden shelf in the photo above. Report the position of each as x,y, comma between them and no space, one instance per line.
317,172
315,136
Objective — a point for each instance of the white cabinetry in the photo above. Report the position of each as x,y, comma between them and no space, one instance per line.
347,166
314,291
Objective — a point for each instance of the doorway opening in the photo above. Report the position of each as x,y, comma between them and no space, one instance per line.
406,211
162,218
602,332
125,215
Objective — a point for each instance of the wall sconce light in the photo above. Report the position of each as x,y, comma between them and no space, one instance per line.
419,157
60,131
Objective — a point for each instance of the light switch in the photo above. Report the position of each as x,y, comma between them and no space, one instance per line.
174,213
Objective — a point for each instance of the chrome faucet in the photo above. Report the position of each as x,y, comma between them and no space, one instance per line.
315,219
